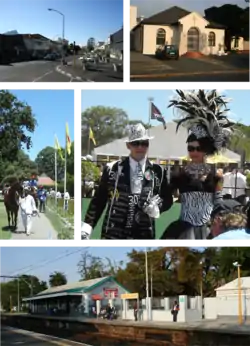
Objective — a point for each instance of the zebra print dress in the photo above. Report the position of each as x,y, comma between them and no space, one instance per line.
197,197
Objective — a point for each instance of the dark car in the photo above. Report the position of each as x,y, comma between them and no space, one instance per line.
169,51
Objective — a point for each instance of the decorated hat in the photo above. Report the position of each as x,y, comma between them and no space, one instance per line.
204,114
137,133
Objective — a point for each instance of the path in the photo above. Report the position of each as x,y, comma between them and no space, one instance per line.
41,229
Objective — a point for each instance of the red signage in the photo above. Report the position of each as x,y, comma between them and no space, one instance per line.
96,297
110,292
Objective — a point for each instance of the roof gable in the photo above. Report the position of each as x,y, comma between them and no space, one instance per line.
170,16
233,285
80,286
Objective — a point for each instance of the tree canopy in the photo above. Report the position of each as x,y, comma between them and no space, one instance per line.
57,279
107,124
17,123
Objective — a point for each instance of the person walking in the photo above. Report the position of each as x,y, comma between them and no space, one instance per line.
28,209
136,312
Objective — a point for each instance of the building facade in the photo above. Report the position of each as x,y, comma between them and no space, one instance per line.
78,299
176,26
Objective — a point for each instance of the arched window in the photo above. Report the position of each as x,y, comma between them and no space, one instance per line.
193,38
160,37
211,39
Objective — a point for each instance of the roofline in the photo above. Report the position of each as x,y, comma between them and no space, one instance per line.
71,291
54,295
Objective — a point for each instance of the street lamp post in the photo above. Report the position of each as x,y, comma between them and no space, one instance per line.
63,29
147,290
240,318
201,288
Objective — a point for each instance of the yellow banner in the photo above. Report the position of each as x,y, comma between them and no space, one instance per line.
130,296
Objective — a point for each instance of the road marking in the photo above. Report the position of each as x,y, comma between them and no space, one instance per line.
39,78
163,75
39,336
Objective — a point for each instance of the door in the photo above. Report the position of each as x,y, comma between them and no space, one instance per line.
193,40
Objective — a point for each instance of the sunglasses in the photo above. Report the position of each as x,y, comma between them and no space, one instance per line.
144,144
192,148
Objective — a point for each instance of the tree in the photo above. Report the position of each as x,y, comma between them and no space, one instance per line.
90,172
45,161
107,124
22,168
92,267
17,122
28,286
57,279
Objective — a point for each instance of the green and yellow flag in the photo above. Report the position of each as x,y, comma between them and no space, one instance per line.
58,148
91,136
68,141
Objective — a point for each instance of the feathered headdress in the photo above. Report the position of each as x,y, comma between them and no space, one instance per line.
204,114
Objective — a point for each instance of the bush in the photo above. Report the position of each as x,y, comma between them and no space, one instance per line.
90,171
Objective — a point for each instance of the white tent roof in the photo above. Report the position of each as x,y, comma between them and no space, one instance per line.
167,144
233,285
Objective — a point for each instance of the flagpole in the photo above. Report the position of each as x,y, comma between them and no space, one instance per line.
55,176
150,100
88,150
65,171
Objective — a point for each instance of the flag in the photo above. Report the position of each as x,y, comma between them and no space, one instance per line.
91,136
58,148
68,142
156,115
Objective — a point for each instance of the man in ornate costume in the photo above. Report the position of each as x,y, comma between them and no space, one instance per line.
204,114
135,190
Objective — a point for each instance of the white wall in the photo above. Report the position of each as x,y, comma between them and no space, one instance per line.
133,17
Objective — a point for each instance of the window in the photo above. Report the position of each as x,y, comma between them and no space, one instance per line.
211,39
160,37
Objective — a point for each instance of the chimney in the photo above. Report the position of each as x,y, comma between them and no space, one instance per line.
131,17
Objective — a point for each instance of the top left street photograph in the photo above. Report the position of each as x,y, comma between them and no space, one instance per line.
61,41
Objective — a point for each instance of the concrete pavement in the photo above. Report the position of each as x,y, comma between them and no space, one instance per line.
32,71
206,80
13,336
41,229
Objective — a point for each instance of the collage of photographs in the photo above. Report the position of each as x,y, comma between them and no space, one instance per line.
124,208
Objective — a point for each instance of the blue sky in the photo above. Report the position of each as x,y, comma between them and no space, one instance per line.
42,259
135,102
14,258
83,18
147,8
52,109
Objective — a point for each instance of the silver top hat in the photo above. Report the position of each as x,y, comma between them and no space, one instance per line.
137,133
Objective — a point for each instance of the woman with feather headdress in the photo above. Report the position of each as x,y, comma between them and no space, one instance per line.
204,114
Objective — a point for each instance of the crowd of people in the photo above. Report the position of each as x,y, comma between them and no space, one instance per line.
137,191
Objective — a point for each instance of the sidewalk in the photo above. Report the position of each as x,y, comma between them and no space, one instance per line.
41,229
101,72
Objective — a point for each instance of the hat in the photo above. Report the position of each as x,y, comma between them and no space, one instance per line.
137,133
204,114
226,206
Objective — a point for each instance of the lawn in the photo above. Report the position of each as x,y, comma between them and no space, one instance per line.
161,224
62,221
4,234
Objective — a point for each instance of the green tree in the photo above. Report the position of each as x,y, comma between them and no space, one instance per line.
107,124
28,286
57,279
17,123
45,162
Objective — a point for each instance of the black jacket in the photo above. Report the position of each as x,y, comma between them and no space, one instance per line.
124,219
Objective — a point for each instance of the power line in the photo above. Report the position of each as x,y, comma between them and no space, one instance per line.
30,266
50,261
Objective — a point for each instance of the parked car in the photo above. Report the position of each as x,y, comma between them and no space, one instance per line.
50,57
169,51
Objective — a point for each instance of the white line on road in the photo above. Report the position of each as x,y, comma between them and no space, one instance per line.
39,78
40,335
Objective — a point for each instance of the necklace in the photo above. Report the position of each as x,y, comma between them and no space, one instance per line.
198,170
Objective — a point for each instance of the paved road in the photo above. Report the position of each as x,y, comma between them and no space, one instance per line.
41,229
13,336
229,80
32,71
